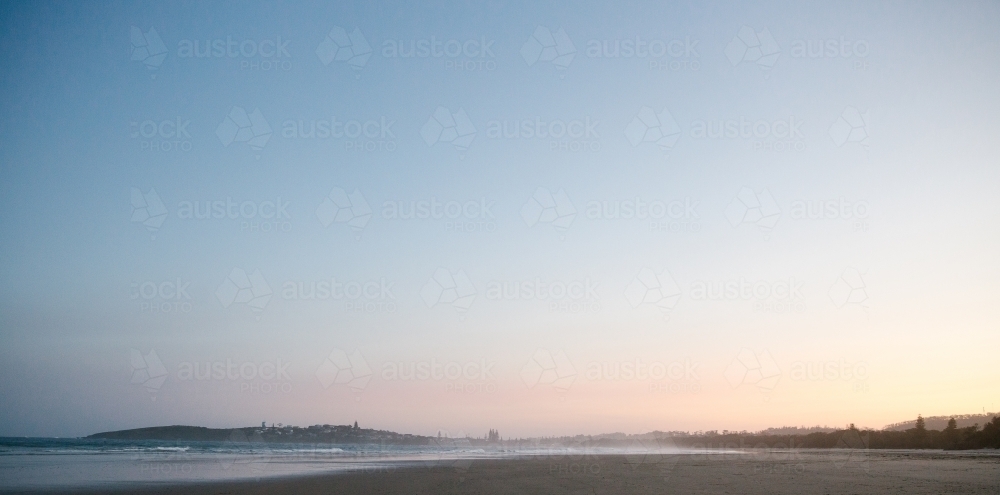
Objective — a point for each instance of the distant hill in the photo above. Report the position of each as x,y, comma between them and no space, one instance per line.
168,433
941,422
341,434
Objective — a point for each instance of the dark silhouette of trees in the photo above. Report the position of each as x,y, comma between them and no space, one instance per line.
951,438
951,434
919,432
990,436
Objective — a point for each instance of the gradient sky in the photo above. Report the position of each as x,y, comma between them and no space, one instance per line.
914,228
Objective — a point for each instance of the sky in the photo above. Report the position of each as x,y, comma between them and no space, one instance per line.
545,218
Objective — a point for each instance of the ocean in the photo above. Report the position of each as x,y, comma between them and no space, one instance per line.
54,463
27,463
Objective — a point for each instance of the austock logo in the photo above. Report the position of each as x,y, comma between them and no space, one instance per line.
658,289
460,55
830,48
257,55
751,46
372,296
357,135
778,296
339,46
537,289
233,371
840,208
242,127
340,207
233,48
776,135
445,287
437,371
829,371
663,291
651,127
576,135
162,135
857,212
659,452
236,459
147,48
251,216
852,450
663,54
241,288
749,207
548,368
851,127
574,296
458,215
157,297
660,215
147,370
340,368
545,46
354,50
759,370
849,288
642,209
257,378
545,207
148,210
446,127
459,377
639,370
448,445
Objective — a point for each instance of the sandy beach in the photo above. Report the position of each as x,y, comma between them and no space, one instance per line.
796,472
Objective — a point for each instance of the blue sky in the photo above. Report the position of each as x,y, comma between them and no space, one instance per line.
899,205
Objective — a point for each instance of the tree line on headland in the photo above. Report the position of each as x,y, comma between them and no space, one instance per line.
918,437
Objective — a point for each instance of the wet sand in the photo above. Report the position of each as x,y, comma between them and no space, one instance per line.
827,472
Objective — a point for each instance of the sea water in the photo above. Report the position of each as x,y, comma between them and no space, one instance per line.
57,463
54,463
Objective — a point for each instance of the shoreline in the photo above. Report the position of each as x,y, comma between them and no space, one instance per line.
776,472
